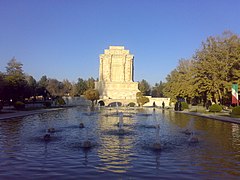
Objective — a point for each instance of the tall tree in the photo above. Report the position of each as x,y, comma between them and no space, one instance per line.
14,68
216,66
92,95
144,87
179,82
55,87
67,87
2,86
42,87
157,89
43,81
209,75
81,86
90,83
31,86
15,80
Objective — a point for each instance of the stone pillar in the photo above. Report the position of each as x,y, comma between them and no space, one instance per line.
101,69
123,69
110,67
132,66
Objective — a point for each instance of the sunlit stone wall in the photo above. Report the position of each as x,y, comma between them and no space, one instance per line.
116,74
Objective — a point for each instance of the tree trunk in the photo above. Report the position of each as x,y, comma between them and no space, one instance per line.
220,96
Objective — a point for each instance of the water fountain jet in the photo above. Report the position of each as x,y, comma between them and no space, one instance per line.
117,108
51,130
157,144
189,129
193,138
47,137
120,123
81,125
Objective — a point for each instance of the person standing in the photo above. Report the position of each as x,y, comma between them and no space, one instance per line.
163,104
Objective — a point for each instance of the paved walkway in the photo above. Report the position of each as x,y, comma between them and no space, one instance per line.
11,113
213,116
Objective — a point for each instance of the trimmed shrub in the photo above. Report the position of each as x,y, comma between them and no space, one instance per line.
235,112
19,105
131,104
215,108
60,101
184,106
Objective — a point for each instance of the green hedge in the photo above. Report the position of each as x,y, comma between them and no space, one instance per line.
131,104
215,108
184,105
235,112
19,105
60,101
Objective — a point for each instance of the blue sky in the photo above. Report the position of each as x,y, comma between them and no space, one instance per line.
62,39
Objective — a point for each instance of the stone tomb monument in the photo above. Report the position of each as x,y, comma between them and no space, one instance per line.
116,76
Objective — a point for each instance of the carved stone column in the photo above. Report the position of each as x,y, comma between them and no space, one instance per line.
101,69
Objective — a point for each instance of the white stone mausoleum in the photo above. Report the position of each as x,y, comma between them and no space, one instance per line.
116,77
116,70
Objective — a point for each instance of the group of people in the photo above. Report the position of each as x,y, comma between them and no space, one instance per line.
163,104
178,106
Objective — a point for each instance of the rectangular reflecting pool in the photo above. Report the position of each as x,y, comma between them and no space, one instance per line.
118,143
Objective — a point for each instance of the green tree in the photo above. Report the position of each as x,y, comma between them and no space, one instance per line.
31,86
14,68
43,81
67,87
55,87
144,87
179,82
92,95
81,87
41,89
141,100
15,80
157,90
90,83
217,66
209,75
2,86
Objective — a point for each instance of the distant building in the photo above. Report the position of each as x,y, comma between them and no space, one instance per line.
116,78
116,70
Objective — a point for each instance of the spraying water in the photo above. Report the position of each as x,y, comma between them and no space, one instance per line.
157,144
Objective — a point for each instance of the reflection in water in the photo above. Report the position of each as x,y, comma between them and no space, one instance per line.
24,153
117,148
10,131
235,134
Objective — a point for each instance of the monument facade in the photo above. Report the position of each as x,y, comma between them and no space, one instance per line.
116,71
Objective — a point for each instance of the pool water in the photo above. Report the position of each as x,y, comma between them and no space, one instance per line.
24,154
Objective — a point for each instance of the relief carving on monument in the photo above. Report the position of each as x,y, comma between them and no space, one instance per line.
116,74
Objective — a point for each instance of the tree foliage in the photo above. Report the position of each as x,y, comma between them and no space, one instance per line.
157,89
15,81
141,100
15,85
90,83
81,87
179,81
91,95
144,87
209,74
